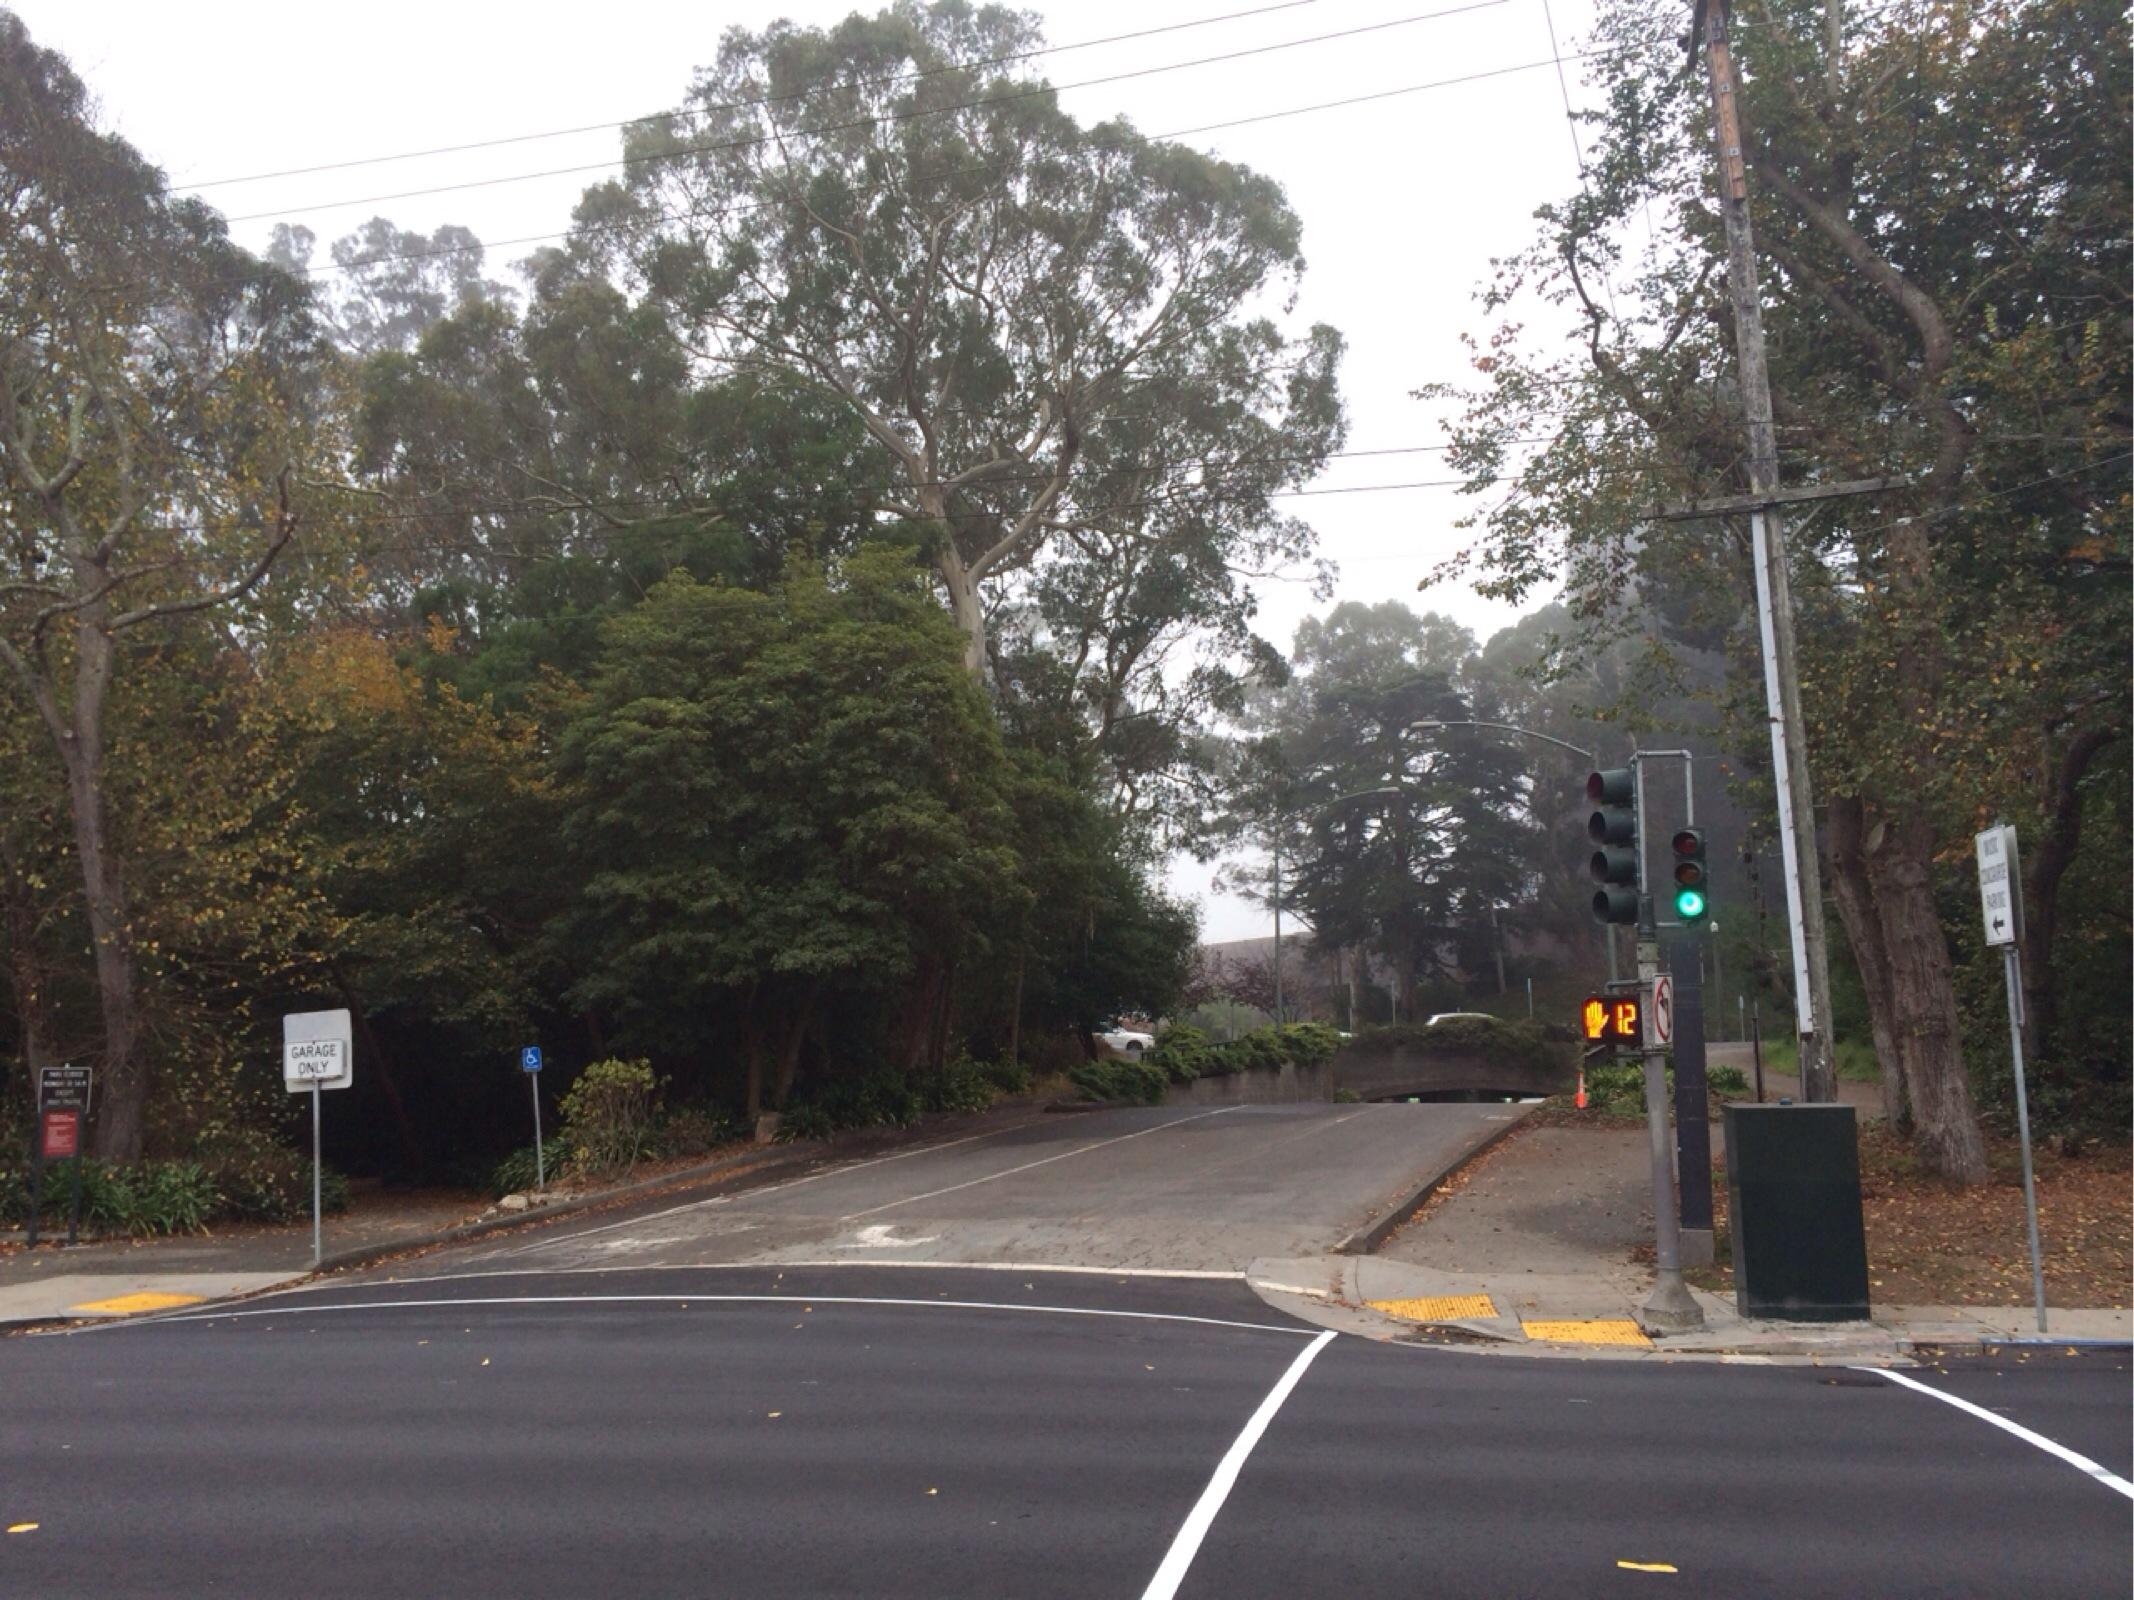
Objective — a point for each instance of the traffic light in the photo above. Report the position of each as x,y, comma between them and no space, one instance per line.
1613,828
1692,890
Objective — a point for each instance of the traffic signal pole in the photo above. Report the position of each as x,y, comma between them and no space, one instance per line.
1670,1307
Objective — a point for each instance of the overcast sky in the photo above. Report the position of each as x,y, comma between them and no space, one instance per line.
1404,200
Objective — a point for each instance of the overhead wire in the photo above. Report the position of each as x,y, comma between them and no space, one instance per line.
915,76
593,231
911,114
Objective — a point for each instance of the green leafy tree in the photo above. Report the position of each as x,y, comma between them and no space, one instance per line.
1944,210
155,389
1399,843
1046,331
775,797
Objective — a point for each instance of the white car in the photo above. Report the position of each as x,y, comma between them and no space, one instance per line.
1128,1043
1454,1016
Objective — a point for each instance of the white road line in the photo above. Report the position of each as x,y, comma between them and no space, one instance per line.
1195,1528
686,1299
835,1170
2074,1458
1078,1150
778,1267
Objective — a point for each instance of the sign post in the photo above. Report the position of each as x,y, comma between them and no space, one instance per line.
2000,893
318,1052
62,1107
530,1064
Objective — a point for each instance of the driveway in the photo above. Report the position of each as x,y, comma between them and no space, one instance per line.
1161,1188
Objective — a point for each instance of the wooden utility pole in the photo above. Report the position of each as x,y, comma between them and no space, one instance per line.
1774,590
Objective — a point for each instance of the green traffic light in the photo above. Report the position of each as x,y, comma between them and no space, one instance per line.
1689,904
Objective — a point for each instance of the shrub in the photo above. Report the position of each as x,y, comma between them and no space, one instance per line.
1139,1081
1184,1052
153,1197
1619,1086
1726,1080
170,1197
881,1099
1520,1044
608,1113
1006,1077
1051,1055
693,1131
961,1085
256,1176
519,1172
1181,1052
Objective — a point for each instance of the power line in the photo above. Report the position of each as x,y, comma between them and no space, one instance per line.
686,213
913,114
736,105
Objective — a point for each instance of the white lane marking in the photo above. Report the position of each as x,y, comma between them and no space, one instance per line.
687,1299
1195,1528
2074,1458
1078,1150
883,1236
780,1267
832,1171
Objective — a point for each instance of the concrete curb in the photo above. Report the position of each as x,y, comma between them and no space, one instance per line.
1366,1240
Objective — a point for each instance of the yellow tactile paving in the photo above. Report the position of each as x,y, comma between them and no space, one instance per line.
1437,1307
1599,1330
127,1304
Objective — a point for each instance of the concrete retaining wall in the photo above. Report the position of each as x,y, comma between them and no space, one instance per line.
1261,1088
1383,1071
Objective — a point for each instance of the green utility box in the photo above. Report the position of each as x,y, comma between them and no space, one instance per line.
1800,1248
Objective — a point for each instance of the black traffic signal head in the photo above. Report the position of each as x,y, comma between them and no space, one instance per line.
1692,891
1613,826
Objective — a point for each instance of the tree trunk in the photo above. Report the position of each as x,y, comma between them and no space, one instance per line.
1015,1022
944,1015
752,1052
964,605
790,1046
1922,994
1863,932
122,1100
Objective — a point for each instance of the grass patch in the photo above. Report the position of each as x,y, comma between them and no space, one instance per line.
1857,1062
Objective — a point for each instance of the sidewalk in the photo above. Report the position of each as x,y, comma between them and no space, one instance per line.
1533,1247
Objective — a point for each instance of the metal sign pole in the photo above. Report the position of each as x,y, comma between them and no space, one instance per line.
74,1195
2013,965
317,1253
533,1080
36,1170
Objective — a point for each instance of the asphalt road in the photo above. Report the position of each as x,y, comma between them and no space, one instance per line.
943,1432
1157,1188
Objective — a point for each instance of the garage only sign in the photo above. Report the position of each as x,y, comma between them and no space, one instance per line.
317,1051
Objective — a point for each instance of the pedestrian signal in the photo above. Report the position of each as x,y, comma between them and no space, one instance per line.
1611,1019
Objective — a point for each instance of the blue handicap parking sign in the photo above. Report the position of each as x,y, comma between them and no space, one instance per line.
530,1058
